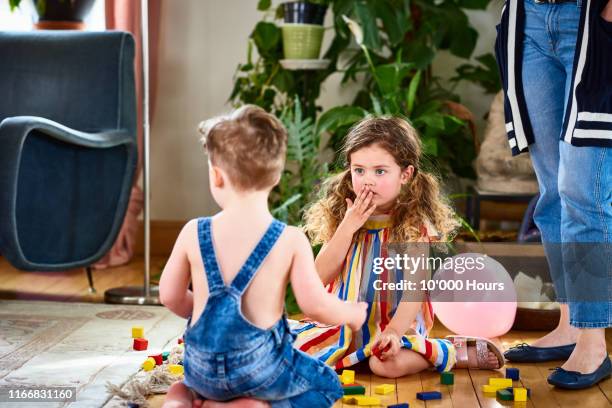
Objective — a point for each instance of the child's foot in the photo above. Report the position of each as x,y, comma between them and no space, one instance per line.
178,396
237,403
475,352
491,359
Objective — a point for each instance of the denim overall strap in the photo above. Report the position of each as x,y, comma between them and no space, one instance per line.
207,250
253,262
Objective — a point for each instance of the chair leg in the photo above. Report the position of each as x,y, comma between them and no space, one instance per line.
90,280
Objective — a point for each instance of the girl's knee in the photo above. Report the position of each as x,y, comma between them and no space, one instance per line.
382,368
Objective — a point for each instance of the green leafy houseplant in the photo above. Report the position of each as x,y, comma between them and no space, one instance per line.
392,68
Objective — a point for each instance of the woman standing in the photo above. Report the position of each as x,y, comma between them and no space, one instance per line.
554,58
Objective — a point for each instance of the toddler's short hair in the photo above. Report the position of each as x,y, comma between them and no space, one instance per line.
249,144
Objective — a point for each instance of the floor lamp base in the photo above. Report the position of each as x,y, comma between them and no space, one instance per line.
132,295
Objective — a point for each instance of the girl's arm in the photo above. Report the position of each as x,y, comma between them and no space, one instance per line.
411,301
311,296
332,254
174,290
408,308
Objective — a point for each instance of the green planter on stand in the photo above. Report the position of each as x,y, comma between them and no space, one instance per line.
302,41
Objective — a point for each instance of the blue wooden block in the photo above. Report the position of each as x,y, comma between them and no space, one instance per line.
404,405
513,373
429,395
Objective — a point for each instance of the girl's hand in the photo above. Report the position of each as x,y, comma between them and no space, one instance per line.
389,344
357,213
359,311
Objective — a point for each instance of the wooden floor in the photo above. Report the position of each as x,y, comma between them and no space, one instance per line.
466,393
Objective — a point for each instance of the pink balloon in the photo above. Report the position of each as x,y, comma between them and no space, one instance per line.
483,304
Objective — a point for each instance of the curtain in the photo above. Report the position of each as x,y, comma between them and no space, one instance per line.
125,15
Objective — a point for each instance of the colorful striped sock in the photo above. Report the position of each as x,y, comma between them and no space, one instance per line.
439,352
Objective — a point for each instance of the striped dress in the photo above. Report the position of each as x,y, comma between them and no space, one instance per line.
331,344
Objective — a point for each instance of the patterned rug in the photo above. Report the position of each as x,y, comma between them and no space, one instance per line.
82,345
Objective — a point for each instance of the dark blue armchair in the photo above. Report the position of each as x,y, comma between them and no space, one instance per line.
68,149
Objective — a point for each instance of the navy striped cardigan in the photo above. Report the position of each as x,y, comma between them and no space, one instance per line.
588,116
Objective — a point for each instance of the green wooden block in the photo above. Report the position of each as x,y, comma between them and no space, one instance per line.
447,378
165,355
354,390
505,395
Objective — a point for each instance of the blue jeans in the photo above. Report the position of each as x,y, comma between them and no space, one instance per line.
574,212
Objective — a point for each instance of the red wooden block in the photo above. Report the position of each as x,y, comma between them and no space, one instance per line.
180,341
378,352
158,359
141,344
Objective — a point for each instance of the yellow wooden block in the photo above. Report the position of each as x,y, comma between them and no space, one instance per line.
347,377
138,332
520,394
176,369
349,399
501,382
366,401
384,389
491,388
148,364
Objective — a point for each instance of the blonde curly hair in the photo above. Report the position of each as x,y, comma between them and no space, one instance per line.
419,203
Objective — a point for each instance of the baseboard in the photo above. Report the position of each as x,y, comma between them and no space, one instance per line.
163,236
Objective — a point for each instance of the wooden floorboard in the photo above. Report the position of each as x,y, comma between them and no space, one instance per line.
465,393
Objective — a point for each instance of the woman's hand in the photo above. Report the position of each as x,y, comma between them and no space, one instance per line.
606,13
357,213
387,344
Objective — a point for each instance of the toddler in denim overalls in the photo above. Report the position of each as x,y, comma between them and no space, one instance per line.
229,355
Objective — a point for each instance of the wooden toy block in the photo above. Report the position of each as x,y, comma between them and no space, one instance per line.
347,377
504,395
402,405
447,378
490,389
378,352
354,389
520,394
165,355
176,369
384,389
159,360
148,364
181,341
511,389
349,399
429,395
140,344
362,400
513,373
137,332
500,382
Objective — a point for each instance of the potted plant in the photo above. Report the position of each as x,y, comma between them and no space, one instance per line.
303,28
58,14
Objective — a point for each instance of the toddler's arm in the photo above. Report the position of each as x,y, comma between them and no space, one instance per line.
310,293
174,290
